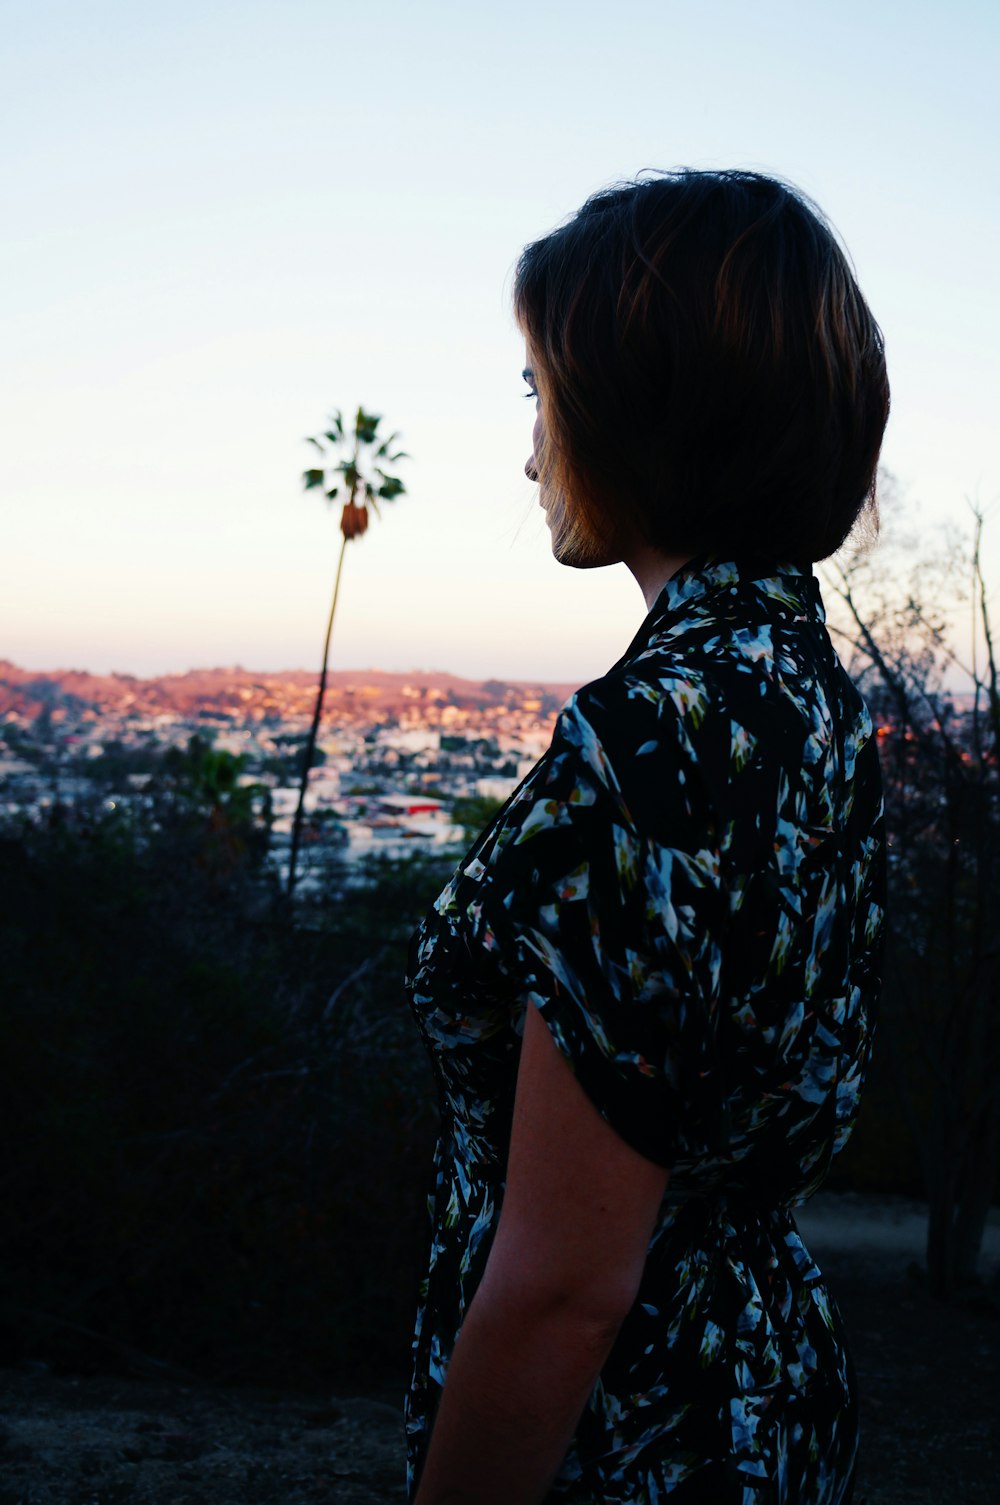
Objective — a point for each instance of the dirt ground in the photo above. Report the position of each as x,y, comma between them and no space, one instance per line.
929,1374
929,1378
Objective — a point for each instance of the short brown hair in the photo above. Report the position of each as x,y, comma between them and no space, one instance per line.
710,373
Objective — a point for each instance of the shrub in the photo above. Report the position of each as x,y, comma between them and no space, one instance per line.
219,1118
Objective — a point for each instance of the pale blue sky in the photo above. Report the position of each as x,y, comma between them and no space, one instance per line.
222,220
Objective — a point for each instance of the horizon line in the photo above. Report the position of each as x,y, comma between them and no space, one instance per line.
7,663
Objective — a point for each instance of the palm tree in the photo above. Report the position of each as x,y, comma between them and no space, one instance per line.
362,476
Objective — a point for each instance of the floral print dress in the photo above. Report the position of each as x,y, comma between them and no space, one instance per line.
689,887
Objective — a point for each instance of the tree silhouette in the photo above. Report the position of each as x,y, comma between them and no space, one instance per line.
352,465
941,769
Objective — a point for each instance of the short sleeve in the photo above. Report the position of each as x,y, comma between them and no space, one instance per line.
600,899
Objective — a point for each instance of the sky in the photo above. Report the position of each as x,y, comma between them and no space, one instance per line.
224,221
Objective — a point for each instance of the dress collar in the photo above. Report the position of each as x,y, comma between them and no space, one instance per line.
708,587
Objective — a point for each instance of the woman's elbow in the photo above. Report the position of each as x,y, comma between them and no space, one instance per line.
584,1296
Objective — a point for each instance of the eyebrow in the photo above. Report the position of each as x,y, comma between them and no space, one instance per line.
529,376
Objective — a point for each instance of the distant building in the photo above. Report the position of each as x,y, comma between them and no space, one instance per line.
407,804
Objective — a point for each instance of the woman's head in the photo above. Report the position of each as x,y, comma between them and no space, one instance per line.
710,377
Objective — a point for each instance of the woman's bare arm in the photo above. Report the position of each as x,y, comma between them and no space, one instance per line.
579,1210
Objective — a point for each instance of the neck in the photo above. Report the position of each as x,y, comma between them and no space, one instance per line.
652,569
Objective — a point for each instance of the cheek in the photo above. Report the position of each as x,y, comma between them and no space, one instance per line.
536,435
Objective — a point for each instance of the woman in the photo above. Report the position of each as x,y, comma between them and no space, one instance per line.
648,990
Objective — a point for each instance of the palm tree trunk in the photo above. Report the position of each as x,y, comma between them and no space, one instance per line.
311,741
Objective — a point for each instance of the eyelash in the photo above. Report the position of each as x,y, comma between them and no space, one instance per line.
530,395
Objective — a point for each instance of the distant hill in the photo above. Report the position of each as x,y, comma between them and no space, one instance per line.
247,694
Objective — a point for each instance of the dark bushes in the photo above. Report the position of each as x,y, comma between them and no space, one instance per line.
217,1123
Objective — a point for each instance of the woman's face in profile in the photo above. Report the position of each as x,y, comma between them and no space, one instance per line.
555,512
571,544
531,464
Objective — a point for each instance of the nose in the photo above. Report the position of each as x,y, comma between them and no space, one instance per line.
537,432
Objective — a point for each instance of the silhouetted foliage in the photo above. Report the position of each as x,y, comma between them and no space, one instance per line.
474,812
219,1125
940,1036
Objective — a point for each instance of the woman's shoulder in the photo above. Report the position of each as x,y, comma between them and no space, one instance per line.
623,743
737,710
673,705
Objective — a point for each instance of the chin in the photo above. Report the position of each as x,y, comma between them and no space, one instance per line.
582,553
577,547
